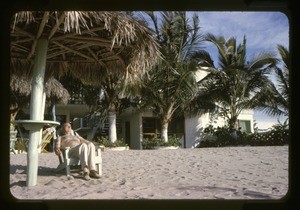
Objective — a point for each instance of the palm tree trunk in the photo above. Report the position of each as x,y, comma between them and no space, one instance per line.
53,111
165,122
233,127
164,131
112,131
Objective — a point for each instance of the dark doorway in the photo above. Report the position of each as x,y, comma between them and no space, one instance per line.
127,133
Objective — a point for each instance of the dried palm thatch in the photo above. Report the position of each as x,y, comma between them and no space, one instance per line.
55,90
20,86
89,44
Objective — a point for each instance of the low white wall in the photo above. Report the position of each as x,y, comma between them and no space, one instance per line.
135,129
195,125
192,131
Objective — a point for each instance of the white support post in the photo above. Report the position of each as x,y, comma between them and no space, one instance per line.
42,118
36,110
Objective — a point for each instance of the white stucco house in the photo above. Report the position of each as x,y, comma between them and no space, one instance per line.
194,126
134,126
137,125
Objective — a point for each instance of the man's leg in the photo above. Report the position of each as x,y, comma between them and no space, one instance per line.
91,160
91,156
81,152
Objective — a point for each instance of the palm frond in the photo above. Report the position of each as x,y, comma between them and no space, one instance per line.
262,60
220,44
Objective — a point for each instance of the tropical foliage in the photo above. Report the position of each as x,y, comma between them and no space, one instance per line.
114,96
171,87
277,102
108,98
152,143
104,140
211,136
236,84
172,84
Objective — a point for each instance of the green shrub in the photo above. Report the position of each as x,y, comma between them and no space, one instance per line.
151,143
216,137
107,143
277,136
219,137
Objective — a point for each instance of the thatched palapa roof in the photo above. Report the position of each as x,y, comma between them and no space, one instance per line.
55,90
89,44
21,87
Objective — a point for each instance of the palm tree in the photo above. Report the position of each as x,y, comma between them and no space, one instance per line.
108,98
237,84
172,84
276,103
114,96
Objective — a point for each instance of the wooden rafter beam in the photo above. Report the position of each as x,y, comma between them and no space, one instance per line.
55,27
93,42
96,39
74,51
55,52
17,47
95,57
57,38
39,33
21,41
17,29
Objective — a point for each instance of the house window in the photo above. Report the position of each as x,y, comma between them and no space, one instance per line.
151,127
245,126
176,126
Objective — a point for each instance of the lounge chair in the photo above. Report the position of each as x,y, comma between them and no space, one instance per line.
47,135
69,163
13,140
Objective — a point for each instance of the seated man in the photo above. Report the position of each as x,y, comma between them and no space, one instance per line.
79,148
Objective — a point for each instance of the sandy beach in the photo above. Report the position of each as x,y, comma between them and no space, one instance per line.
206,173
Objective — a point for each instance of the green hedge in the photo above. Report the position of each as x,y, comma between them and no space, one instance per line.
107,143
278,135
151,143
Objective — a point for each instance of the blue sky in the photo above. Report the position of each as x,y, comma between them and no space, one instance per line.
263,30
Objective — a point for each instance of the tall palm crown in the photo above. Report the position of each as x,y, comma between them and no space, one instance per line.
276,103
237,84
172,84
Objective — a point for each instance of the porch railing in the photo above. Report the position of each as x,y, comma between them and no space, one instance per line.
86,122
